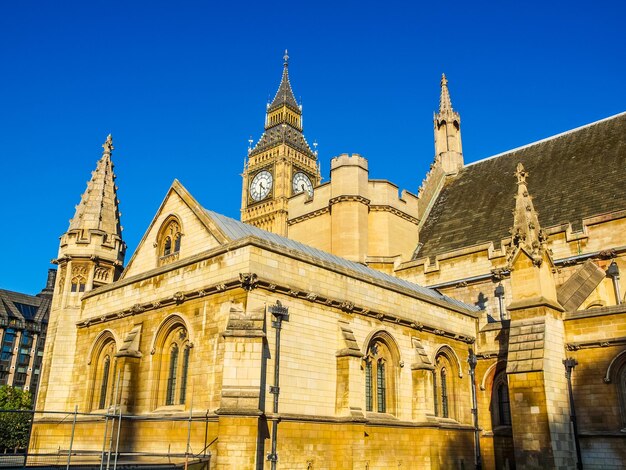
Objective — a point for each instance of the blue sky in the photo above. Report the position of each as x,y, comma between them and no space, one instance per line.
183,85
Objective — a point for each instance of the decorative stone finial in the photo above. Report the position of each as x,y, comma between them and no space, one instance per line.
526,232
521,174
108,144
445,103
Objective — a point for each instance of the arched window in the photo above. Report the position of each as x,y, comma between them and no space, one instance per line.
102,375
169,240
500,403
381,367
444,384
171,377
172,352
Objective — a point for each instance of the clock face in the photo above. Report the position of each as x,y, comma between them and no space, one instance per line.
301,183
261,185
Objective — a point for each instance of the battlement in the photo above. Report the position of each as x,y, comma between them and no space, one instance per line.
348,160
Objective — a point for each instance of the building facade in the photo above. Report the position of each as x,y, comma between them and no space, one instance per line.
23,325
345,325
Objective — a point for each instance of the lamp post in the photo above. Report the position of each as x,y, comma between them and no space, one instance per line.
280,314
569,364
472,361
613,273
499,293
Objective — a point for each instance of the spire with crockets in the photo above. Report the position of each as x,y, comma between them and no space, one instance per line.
526,233
283,121
98,208
448,147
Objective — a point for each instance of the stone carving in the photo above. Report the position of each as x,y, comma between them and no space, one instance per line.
249,281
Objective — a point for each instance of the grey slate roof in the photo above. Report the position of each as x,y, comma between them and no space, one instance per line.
23,307
572,176
284,95
236,230
283,133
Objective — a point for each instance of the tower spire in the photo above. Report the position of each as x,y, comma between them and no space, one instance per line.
445,104
448,148
526,232
98,208
284,95
283,119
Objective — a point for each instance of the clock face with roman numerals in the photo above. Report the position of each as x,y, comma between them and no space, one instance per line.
261,185
301,183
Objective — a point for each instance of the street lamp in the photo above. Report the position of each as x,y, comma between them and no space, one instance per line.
280,314
613,273
569,364
499,293
472,360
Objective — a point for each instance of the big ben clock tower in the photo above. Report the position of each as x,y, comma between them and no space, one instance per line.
280,165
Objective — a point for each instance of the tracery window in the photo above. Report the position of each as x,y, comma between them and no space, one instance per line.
443,385
173,353
103,370
500,402
380,365
169,240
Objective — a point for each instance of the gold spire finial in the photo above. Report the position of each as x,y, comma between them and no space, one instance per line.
108,144
286,58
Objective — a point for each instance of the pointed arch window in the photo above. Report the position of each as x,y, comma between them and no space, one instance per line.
444,385
103,369
174,356
169,240
500,402
380,366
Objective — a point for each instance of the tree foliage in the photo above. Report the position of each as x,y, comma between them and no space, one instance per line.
14,425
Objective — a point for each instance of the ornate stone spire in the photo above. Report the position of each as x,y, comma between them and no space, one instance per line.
98,207
284,95
526,233
448,147
445,104
283,122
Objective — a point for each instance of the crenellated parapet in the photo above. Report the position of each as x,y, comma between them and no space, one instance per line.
363,220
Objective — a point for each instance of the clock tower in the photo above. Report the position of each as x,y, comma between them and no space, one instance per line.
280,165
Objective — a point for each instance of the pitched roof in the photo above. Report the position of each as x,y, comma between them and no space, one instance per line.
283,133
236,230
573,176
23,307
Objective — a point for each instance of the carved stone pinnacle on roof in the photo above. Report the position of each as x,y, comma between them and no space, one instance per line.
526,232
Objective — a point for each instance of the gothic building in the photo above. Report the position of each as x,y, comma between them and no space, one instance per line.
346,325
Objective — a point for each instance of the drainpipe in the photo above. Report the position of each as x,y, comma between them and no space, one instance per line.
472,360
569,364
280,314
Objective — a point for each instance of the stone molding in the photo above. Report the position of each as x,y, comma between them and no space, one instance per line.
394,211
309,215
241,282
597,343
348,198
